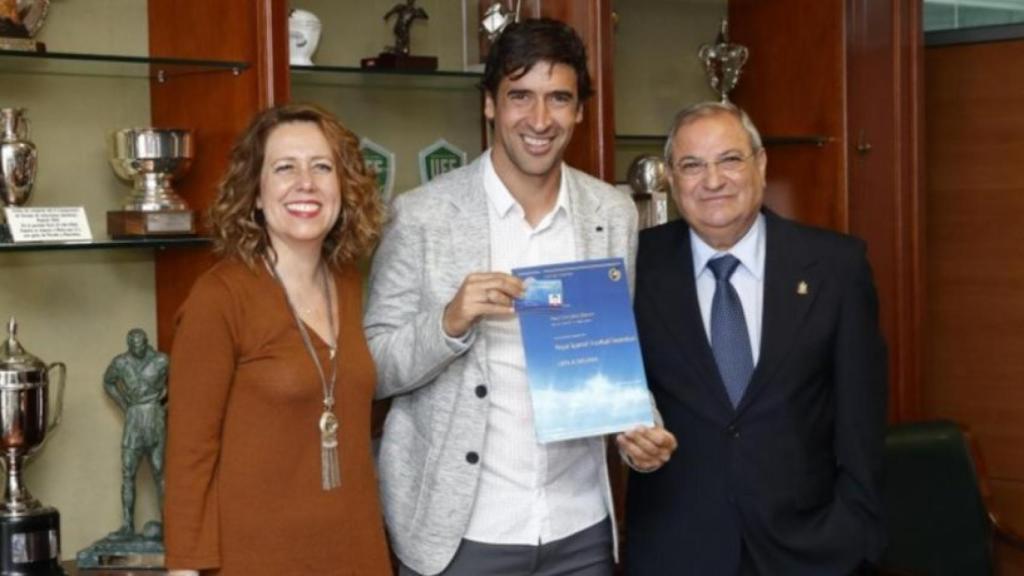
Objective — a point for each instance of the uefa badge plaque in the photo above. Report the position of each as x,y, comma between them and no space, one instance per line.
438,158
381,162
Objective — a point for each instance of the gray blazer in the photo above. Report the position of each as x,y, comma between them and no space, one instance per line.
434,433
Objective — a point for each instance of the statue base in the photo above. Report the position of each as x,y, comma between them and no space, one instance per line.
120,550
392,61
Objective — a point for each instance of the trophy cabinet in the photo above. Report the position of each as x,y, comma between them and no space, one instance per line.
836,98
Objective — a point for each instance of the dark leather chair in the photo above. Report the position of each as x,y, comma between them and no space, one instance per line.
936,503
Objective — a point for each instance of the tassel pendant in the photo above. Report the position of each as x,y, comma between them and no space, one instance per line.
330,470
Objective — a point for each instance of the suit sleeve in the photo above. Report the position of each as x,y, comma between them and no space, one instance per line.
201,371
861,385
404,333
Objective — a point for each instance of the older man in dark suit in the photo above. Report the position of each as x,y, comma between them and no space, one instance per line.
762,347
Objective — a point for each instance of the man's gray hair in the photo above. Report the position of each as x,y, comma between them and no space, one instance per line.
705,110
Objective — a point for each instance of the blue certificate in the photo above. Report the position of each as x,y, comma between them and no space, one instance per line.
582,355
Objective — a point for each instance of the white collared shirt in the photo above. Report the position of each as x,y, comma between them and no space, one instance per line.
529,493
748,279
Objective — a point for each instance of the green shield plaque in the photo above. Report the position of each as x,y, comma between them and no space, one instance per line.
381,162
438,158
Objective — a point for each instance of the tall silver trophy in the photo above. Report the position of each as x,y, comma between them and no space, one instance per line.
151,158
18,162
29,531
723,62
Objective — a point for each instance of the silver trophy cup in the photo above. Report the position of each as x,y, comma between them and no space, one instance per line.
29,531
151,158
648,177
723,62
18,158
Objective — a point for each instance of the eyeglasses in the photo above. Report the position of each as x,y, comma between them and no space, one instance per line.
730,164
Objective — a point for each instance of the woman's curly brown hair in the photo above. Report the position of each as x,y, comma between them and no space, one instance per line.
240,231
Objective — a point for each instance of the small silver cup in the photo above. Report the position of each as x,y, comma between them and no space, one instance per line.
648,177
151,158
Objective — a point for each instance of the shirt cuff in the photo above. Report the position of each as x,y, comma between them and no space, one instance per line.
459,344
632,465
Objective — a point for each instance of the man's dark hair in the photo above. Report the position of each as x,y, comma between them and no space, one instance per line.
524,44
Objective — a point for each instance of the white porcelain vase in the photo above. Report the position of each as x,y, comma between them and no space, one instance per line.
303,37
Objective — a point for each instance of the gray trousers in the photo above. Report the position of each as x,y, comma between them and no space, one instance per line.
586,553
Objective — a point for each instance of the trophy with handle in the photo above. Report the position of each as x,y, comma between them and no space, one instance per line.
18,162
29,531
723,62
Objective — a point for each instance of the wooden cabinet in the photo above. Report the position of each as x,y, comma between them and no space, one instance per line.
835,88
216,107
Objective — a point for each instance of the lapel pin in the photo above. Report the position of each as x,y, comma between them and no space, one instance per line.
801,288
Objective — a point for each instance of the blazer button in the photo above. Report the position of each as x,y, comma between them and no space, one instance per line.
732,431
481,391
472,457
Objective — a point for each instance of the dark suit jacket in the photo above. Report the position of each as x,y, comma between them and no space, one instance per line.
794,470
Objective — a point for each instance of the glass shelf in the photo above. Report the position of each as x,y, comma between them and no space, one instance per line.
640,138
355,76
157,243
111,65
659,139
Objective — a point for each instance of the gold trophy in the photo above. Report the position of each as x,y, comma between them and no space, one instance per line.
20,20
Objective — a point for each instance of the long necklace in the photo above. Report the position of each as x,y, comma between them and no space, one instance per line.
330,469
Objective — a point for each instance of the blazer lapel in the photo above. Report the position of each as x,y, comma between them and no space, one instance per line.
470,233
589,220
674,283
791,284
470,229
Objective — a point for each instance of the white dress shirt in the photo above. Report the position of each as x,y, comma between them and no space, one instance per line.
748,279
529,493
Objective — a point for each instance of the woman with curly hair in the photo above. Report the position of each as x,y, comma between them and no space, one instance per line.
269,469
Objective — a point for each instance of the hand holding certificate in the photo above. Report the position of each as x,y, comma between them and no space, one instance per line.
480,294
582,355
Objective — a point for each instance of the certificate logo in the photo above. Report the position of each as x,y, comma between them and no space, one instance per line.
541,294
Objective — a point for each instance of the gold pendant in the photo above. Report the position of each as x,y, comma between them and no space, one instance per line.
330,470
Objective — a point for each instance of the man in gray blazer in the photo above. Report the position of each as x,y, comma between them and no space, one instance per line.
466,488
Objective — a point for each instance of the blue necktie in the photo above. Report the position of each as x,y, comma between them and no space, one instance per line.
730,341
